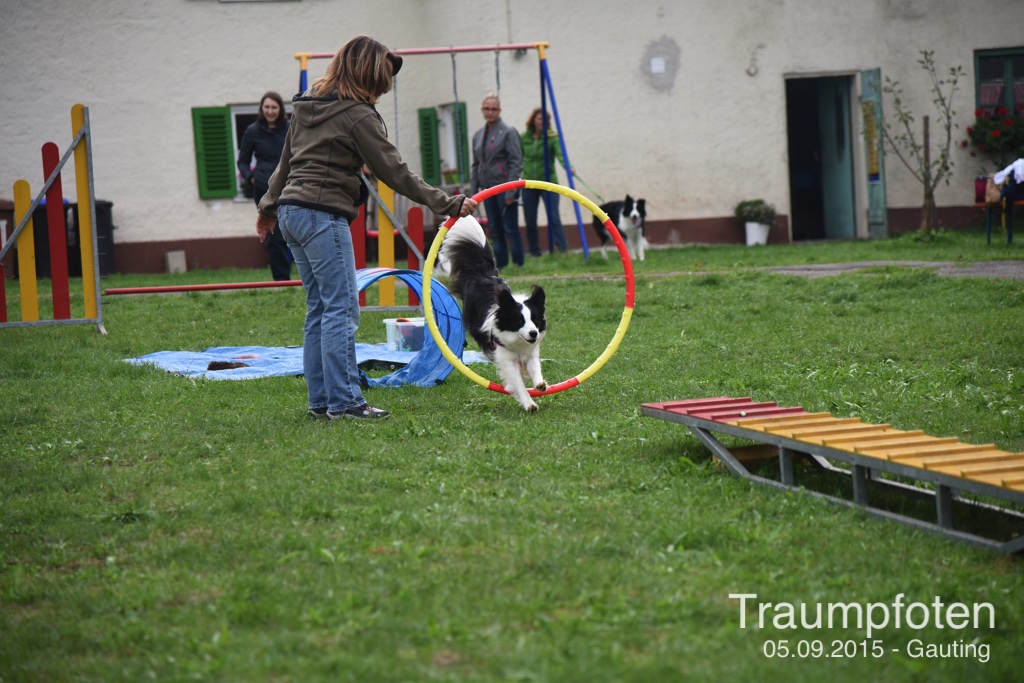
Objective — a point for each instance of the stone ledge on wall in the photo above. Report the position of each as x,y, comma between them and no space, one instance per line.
247,252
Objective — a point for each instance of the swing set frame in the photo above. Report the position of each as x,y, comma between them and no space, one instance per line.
546,91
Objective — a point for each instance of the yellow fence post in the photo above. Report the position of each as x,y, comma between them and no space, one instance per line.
386,243
84,214
27,284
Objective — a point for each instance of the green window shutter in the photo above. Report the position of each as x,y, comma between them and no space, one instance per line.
430,148
463,144
215,153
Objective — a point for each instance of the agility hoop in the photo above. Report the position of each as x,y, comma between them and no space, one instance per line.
627,264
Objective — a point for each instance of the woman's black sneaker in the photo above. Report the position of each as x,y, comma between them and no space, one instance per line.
363,412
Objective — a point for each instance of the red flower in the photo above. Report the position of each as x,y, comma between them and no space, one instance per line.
1007,123
1002,111
1020,107
979,112
970,130
996,134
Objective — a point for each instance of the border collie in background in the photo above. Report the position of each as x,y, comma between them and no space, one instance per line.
508,327
630,216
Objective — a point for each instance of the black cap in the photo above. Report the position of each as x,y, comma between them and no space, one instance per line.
396,63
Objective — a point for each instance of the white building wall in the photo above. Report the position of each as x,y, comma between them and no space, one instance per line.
714,136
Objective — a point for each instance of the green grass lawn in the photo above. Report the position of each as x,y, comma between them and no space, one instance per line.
154,527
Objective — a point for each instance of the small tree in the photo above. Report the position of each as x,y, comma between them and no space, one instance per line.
917,156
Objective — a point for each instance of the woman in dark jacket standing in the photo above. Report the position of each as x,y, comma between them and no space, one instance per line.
315,192
265,139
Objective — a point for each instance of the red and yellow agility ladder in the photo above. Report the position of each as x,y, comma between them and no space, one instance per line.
947,464
627,264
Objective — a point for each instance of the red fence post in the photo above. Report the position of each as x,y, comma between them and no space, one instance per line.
3,294
57,231
358,228
414,228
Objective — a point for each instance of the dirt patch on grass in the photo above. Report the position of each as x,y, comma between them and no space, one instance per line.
1007,270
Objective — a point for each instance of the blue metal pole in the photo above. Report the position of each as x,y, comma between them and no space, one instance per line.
547,156
546,76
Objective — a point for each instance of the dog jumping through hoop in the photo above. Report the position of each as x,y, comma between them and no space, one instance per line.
508,327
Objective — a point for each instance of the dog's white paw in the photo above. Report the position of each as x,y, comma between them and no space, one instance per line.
543,386
531,407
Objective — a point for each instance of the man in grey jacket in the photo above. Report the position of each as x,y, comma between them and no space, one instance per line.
498,158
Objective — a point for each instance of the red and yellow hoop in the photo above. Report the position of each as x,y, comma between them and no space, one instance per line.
627,264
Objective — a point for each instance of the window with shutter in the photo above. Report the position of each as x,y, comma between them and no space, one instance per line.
430,151
463,147
999,80
453,142
215,152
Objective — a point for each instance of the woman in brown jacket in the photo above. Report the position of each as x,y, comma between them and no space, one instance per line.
313,195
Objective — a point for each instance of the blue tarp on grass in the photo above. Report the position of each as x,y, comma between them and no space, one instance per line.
270,361
424,368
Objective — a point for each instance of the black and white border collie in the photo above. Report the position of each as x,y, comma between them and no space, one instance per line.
508,327
630,216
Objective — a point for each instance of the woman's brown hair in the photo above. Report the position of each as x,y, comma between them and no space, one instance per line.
271,95
361,70
533,115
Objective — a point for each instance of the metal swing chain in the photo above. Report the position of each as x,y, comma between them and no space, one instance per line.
394,96
458,128
377,198
497,71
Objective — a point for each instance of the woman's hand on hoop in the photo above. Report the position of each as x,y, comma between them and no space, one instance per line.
468,207
264,226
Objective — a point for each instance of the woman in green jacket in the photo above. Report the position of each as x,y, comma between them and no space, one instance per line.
533,169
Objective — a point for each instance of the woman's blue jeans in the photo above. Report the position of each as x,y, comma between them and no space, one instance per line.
531,201
503,223
321,244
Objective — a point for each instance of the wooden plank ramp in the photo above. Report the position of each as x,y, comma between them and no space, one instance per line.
946,465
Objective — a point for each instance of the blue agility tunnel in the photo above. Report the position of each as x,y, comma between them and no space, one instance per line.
428,368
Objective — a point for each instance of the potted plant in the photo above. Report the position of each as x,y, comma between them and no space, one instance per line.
757,216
